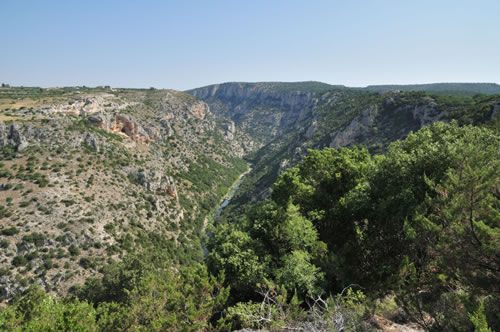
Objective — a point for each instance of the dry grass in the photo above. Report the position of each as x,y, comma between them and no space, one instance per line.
9,118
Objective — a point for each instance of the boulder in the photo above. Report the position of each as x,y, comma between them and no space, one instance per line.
11,135
155,181
91,141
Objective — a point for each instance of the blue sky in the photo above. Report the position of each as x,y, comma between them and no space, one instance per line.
187,44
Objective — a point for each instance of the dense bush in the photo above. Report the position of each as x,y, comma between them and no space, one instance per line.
9,230
142,293
420,222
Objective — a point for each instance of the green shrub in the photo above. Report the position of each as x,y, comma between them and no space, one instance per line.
9,231
86,263
4,243
73,250
24,203
36,238
67,202
19,261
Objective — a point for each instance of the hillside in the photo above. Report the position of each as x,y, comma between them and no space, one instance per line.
89,175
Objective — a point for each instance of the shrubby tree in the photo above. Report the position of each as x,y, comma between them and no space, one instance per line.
165,300
141,293
276,242
459,229
328,187
39,312
236,254
421,222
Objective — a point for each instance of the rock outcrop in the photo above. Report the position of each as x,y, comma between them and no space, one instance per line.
496,107
126,124
359,126
199,110
85,106
11,135
426,114
92,141
157,182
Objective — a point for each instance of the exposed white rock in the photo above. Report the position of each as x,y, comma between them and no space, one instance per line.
496,107
11,135
87,106
426,114
359,125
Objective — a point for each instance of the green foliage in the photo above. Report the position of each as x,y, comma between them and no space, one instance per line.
275,311
209,177
74,250
4,243
327,186
167,301
4,213
234,252
421,221
7,152
36,238
19,261
152,296
478,319
37,311
276,243
9,231
149,296
297,272
456,234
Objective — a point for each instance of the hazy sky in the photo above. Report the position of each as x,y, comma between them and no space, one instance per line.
185,44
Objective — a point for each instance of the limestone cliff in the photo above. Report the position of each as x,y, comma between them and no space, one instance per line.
262,111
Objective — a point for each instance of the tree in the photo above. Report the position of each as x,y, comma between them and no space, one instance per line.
37,311
460,227
235,253
328,187
165,300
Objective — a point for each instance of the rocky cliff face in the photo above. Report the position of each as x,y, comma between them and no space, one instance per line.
89,178
360,126
284,122
10,135
261,112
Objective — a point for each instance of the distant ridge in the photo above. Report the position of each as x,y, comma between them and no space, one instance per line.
306,86
442,88
451,89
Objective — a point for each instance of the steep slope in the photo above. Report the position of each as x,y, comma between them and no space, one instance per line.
263,111
89,175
